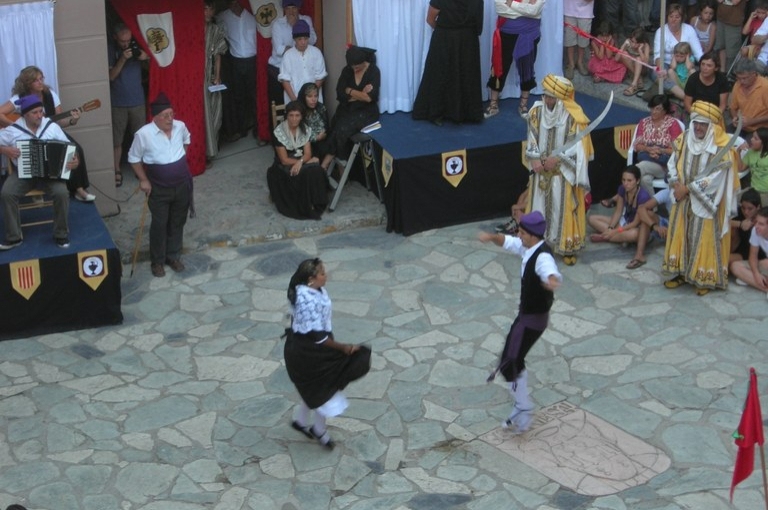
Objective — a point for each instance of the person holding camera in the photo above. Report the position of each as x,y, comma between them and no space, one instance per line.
126,91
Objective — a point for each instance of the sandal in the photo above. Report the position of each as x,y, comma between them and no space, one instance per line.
631,90
493,109
675,282
597,79
118,179
608,203
522,108
635,263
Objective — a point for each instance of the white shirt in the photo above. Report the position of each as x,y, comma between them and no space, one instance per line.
10,135
545,263
240,32
763,55
584,9
152,146
756,239
299,68
687,34
282,38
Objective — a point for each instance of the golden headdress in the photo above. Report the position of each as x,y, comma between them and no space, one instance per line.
562,89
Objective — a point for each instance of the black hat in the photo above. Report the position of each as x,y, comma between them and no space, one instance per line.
160,103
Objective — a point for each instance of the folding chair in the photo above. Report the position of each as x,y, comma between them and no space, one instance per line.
366,142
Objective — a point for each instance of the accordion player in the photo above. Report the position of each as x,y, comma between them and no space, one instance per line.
46,159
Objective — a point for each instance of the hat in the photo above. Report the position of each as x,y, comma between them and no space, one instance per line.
709,111
160,103
562,89
300,29
27,103
358,54
534,223
557,86
291,3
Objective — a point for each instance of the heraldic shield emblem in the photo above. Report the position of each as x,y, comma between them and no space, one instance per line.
622,139
25,277
455,166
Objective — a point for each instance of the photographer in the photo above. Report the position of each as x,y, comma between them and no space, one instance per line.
126,90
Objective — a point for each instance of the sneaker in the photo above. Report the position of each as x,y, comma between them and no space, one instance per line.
62,242
519,421
509,228
158,271
9,245
88,197
741,282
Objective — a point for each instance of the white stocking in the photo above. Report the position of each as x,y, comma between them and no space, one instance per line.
302,414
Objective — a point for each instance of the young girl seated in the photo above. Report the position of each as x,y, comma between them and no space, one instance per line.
705,26
603,64
636,45
679,70
756,159
622,226
754,271
741,225
754,21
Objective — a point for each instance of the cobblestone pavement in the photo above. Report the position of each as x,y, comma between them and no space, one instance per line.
187,405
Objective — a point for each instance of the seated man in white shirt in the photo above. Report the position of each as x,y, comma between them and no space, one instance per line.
301,64
32,125
159,158
282,40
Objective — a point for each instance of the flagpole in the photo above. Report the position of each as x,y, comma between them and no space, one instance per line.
765,479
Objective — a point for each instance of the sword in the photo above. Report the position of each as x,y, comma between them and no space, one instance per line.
581,134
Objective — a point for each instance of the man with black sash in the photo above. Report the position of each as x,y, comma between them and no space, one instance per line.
159,158
540,277
32,125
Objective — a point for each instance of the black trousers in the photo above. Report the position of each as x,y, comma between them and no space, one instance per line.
241,114
169,208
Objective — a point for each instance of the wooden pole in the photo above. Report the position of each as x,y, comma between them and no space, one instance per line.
765,479
662,49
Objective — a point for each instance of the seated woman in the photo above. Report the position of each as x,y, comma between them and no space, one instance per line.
741,225
653,142
358,93
316,118
622,226
31,81
297,183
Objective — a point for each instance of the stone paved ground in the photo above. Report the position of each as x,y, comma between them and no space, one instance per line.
187,405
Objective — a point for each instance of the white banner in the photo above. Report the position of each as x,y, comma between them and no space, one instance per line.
157,30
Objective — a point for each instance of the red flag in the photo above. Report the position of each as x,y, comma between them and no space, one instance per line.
750,431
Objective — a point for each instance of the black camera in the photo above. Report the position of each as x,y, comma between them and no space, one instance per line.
135,49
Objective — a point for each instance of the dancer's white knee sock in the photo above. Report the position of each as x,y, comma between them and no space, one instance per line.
519,389
302,414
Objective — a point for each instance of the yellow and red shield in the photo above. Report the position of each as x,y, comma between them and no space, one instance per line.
25,277
622,138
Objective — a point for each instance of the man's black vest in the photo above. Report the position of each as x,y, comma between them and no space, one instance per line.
534,298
